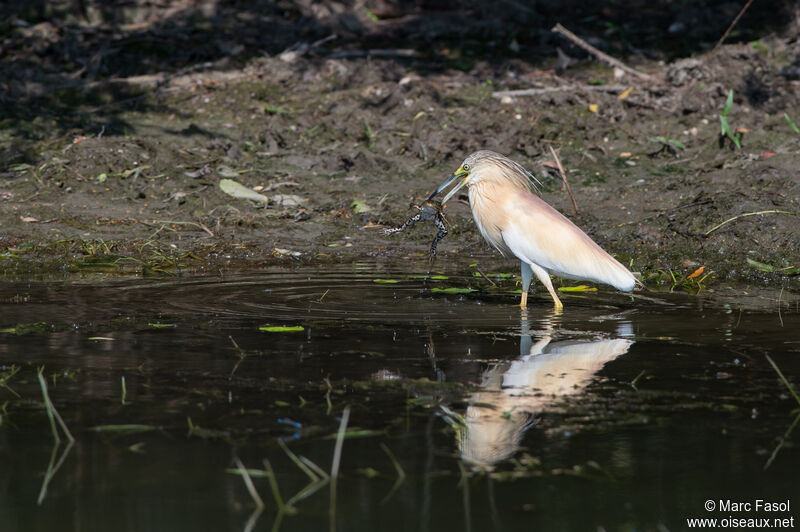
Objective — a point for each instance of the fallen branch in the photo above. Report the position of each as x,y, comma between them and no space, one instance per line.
729,220
558,28
564,178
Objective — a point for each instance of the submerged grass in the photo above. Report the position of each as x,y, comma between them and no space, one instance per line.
318,478
52,413
251,489
401,474
337,457
785,437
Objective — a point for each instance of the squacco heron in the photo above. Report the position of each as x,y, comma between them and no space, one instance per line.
513,219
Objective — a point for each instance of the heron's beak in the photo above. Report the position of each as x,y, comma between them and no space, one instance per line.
459,174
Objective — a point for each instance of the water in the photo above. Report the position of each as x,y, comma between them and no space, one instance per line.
620,413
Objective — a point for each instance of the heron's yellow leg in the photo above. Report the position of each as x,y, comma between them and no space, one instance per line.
527,275
544,277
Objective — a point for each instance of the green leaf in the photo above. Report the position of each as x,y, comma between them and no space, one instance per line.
452,290
500,275
787,270
359,207
677,143
728,103
162,325
473,264
39,327
579,288
737,139
725,127
385,281
102,178
281,328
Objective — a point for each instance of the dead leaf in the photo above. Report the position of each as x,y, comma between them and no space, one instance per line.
28,219
285,252
593,107
625,94
766,155
79,139
237,190
697,272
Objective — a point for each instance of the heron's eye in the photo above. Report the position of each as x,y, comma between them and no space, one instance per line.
465,166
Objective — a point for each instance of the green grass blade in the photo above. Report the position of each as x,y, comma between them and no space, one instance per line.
791,123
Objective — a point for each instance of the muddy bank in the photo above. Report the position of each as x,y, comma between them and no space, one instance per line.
124,176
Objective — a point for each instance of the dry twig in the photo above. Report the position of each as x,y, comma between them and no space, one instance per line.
729,220
564,178
725,35
558,28
536,92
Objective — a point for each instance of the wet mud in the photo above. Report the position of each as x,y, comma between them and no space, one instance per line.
116,165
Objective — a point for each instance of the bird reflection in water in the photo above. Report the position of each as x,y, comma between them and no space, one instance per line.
512,393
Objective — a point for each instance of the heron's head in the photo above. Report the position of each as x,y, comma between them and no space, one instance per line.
485,164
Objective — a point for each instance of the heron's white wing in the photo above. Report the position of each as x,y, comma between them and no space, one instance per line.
537,233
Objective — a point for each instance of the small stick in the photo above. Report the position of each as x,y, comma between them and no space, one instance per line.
729,220
735,20
175,222
558,28
564,177
484,276
536,92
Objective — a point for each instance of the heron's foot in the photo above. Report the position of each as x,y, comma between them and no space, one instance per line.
523,302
